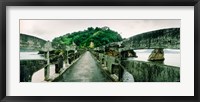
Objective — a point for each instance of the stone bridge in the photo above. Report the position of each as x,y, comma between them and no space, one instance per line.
141,71
157,40
61,58
113,57
29,67
163,38
31,43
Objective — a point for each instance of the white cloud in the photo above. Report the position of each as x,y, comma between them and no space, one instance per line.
49,29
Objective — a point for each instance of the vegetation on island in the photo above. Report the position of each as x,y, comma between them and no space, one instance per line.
88,38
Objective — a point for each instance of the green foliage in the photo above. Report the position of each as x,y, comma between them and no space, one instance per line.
99,36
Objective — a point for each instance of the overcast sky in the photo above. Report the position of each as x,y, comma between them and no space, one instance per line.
49,29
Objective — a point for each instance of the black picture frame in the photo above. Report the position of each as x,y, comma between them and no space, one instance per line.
5,3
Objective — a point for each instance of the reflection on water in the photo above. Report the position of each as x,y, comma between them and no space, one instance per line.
30,55
172,57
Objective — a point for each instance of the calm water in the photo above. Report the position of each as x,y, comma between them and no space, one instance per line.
172,57
30,55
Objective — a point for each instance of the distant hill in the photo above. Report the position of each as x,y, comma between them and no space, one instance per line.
30,43
90,37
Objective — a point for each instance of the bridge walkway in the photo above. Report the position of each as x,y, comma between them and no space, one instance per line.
84,70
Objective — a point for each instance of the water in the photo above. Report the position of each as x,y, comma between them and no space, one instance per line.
39,75
31,56
172,57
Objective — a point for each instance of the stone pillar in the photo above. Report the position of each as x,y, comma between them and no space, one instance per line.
105,60
59,64
117,70
74,56
56,68
157,55
67,58
47,68
102,60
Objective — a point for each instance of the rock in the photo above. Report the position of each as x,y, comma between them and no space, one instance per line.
128,53
131,53
112,53
127,77
157,55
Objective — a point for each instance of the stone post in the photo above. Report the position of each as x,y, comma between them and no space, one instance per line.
47,68
73,56
47,48
67,48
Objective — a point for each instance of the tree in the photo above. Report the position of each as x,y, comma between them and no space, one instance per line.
98,37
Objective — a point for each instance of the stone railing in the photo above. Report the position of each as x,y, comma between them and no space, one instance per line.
141,71
29,67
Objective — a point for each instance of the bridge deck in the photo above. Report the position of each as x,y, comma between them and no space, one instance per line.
84,70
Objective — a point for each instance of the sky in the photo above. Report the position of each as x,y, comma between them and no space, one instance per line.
49,29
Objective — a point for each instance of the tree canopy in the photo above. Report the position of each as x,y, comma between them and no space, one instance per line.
98,36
